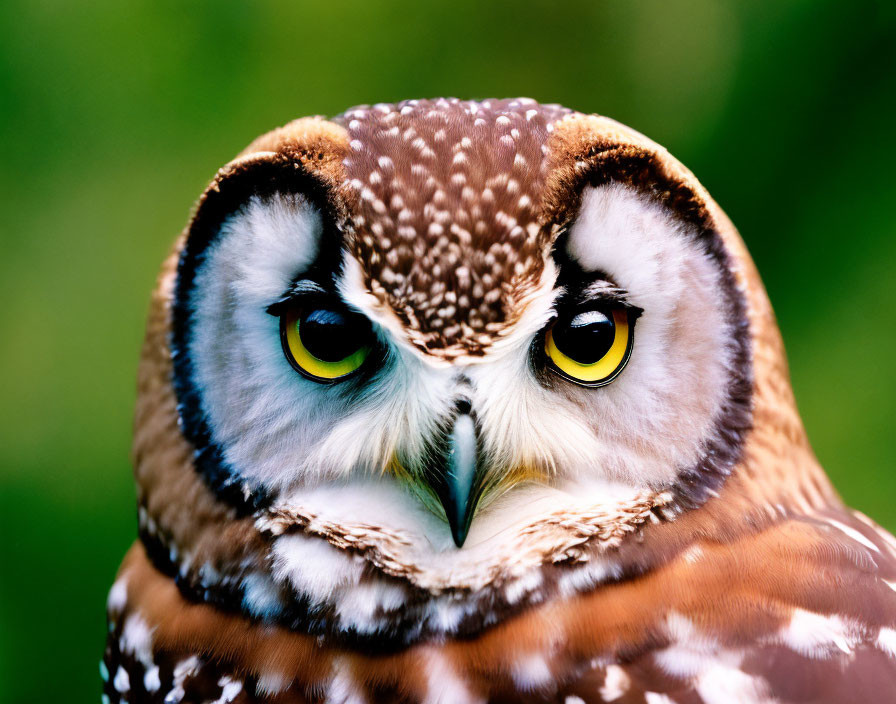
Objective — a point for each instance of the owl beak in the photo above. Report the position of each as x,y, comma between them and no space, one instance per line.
456,482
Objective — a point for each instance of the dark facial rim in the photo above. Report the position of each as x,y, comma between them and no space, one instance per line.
647,173
262,179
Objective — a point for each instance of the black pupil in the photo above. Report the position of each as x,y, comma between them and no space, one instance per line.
586,338
331,336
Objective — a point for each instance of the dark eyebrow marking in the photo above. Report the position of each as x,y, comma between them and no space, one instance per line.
300,289
606,290
582,287
599,292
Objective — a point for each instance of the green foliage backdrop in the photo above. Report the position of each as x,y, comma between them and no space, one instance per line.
114,115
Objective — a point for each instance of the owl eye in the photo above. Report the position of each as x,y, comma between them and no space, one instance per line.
590,348
325,344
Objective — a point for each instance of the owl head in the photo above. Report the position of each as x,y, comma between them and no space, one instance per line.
439,344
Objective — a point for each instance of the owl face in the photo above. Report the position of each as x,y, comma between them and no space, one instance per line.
448,317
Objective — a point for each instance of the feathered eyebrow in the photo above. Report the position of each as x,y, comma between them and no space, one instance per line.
582,287
300,289
603,291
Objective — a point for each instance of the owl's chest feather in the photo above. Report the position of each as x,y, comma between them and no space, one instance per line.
775,613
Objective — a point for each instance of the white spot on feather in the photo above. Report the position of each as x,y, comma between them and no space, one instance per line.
616,683
343,689
151,680
136,639
446,613
118,596
886,641
444,685
693,554
361,609
723,684
714,669
122,681
518,588
313,566
272,682
854,534
230,688
884,535
656,698
532,673
185,668
260,596
815,635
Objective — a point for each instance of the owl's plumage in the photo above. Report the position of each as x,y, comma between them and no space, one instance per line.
462,514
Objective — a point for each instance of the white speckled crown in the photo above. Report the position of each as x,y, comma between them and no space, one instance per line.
447,225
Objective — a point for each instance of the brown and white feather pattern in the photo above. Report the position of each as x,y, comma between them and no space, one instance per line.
750,582
448,219
798,612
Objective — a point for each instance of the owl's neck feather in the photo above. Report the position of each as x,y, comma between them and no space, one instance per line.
372,559
388,575
367,561
523,530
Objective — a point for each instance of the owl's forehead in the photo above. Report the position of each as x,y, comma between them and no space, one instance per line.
447,219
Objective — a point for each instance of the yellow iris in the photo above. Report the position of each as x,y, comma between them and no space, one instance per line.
311,365
604,368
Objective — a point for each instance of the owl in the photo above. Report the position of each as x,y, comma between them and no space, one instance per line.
462,402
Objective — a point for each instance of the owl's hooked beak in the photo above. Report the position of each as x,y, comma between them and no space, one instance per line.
456,481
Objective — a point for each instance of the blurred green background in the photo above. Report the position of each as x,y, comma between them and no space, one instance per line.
114,115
